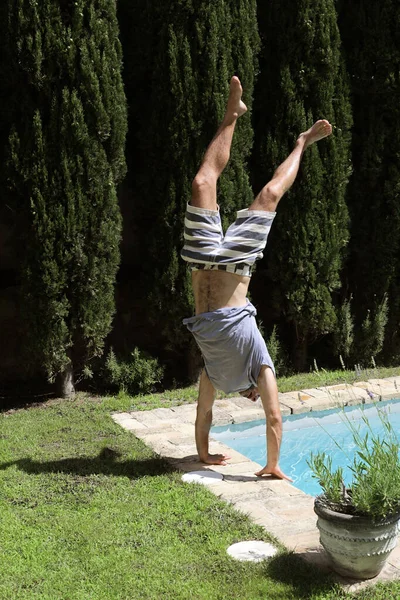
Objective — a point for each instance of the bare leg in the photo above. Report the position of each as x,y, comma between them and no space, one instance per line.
204,187
286,173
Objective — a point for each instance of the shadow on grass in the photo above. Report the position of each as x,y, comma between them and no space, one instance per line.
307,580
13,403
105,463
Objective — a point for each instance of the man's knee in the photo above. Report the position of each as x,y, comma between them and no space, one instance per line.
270,195
203,183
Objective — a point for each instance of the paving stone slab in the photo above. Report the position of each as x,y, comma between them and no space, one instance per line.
166,426
245,469
345,393
295,407
188,465
249,491
314,392
168,450
381,382
147,418
229,405
394,558
161,433
164,413
284,488
285,410
241,402
220,448
376,390
395,380
184,428
176,438
222,417
264,518
308,541
322,403
179,452
245,416
136,414
295,513
293,529
121,416
292,401
286,397
129,423
393,396
256,509
186,412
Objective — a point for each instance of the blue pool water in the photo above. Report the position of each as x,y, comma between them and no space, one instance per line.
309,432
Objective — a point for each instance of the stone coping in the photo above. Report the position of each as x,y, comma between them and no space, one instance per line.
286,512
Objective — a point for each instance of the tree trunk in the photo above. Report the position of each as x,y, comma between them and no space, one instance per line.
65,384
300,354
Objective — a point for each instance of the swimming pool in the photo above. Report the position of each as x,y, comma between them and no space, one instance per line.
305,433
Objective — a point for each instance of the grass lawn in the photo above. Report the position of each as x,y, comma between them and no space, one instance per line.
88,512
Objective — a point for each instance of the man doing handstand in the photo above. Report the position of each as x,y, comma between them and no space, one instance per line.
235,356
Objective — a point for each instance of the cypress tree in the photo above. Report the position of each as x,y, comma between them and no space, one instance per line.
66,158
302,79
195,49
371,36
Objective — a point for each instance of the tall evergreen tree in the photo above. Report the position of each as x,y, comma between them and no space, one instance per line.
67,156
302,79
371,36
191,50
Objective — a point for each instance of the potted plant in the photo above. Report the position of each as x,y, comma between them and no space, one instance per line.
358,523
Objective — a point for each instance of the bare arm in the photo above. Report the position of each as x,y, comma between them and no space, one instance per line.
203,422
269,397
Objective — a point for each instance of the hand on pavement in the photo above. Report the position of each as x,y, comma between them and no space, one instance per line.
215,459
274,471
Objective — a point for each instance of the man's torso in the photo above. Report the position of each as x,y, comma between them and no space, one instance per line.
218,289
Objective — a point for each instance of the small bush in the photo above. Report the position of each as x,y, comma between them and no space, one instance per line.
372,333
375,489
138,375
276,352
343,336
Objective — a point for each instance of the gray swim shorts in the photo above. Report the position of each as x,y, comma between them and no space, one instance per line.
206,246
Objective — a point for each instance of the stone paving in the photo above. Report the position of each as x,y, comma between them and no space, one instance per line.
285,512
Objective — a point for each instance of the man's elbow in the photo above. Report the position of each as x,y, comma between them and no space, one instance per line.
203,415
274,419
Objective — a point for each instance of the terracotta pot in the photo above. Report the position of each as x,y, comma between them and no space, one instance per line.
358,547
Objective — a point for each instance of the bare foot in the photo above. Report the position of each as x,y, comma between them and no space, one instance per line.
235,107
318,131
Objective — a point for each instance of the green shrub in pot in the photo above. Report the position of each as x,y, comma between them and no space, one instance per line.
367,509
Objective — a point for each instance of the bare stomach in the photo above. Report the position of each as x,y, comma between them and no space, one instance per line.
218,289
